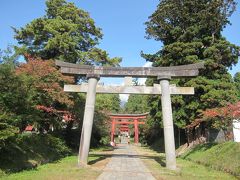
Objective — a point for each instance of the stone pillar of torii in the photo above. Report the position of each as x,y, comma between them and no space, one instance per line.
163,74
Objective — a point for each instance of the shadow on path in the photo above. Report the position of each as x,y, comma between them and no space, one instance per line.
100,157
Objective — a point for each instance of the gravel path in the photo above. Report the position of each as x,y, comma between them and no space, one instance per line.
125,165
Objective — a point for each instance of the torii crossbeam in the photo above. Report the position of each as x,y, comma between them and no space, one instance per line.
163,74
156,89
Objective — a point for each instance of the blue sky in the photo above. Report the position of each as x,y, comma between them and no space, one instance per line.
122,24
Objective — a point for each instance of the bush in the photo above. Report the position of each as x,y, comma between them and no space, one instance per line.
105,140
26,151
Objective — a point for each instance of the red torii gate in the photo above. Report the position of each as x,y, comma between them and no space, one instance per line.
123,119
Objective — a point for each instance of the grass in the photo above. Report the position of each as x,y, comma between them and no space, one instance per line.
67,168
102,148
186,170
61,170
32,156
224,156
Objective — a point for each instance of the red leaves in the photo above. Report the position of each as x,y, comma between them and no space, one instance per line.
46,109
46,84
210,113
231,111
235,109
44,76
36,67
221,118
66,115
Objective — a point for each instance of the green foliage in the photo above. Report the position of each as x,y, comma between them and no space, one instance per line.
237,83
26,151
12,94
136,104
6,131
108,102
189,20
105,103
69,34
191,32
8,56
224,157
45,88
19,95
16,107
66,33
32,93
105,140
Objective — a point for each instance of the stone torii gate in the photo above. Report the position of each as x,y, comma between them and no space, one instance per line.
124,121
163,74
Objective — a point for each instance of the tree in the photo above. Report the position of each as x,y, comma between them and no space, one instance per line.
222,118
136,104
66,33
15,107
105,104
237,83
109,103
45,89
191,32
8,56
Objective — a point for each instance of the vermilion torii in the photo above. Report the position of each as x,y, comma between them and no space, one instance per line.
163,74
124,120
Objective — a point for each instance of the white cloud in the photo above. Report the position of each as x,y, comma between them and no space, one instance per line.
148,64
142,81
124,97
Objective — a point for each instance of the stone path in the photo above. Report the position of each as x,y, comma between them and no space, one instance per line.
125,165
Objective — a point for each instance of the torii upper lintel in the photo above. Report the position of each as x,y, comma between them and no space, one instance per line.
172,71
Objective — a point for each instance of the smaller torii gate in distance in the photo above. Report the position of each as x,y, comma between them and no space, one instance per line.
163,74
123,119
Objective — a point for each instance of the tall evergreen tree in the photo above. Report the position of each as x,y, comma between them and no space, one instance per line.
66,33
237,83
136,104
69,34
190,31
108,103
